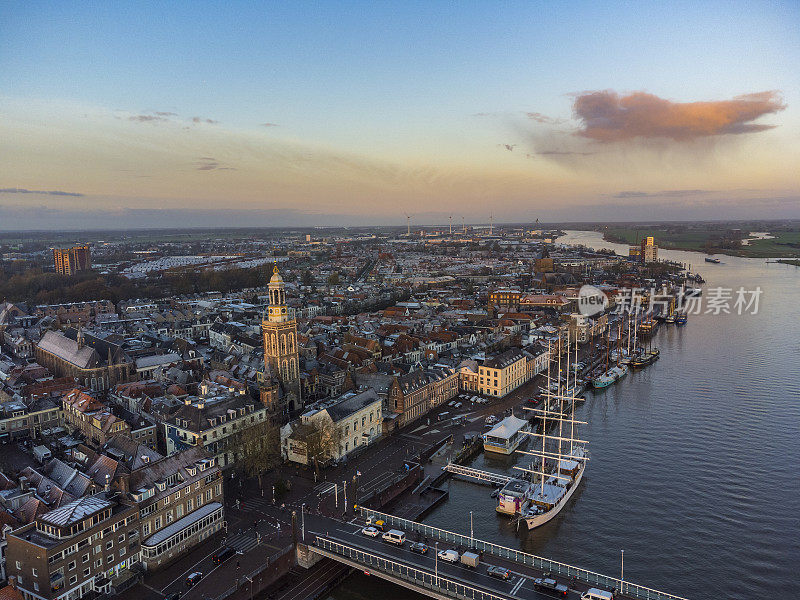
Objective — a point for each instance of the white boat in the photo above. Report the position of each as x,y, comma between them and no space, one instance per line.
506,436
559,469
548,500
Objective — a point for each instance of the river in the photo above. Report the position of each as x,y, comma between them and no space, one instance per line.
695,460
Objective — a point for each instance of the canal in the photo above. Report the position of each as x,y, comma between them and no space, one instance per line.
695,460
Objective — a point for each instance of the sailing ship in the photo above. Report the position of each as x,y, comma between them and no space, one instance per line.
560,462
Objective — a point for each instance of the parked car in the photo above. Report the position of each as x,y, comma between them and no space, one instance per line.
193,578
448,555
223,555
499,572
172,596
419,548
547,584
370,531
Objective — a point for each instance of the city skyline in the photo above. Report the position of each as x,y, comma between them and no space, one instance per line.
357,114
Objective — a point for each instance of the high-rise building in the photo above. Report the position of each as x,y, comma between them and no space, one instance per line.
69,261
281,359
644,251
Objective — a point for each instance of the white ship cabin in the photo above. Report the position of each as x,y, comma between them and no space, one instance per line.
506,436
512,496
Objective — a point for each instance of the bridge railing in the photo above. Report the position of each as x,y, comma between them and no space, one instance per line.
531,560
419,577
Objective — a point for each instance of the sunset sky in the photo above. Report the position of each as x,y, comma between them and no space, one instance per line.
291,113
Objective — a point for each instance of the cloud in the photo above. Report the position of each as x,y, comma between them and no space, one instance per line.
540,118
563,153
165,114
607,116
202,120
269,124
47,192
154,118
662,194
209,163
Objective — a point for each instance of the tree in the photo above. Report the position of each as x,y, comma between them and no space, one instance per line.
257,448
333,278
322,439
307,280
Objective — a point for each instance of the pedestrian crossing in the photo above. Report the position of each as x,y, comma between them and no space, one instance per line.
326,487
242,542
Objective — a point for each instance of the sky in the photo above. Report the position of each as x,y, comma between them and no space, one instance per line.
170,114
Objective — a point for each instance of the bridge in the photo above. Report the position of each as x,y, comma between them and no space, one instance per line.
485,477
344,542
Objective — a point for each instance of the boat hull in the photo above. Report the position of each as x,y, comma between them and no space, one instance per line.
539,520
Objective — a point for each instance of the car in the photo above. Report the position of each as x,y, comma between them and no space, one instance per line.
370,531
448,555
499,572
419,548
223,555
546,584
193,578
172,596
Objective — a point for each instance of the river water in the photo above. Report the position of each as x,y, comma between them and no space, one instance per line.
695,460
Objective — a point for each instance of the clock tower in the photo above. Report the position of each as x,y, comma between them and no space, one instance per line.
279,328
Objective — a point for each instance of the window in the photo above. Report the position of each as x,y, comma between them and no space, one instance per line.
86,572
85,558
109,544
71,565
110,559
98,563
73,579
121,539
33,572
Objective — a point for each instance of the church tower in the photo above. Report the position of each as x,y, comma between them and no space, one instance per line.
279,328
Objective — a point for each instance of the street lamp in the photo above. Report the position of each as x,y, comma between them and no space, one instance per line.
621,568
436,563
471,533
303,520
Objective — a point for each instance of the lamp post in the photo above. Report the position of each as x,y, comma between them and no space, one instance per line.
436,563
471,533
621,568
303,521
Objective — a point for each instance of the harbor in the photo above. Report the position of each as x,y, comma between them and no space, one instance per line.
682,413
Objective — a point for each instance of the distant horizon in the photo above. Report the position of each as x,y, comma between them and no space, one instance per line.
385,226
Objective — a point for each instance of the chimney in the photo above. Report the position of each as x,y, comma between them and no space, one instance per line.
107,486
23,484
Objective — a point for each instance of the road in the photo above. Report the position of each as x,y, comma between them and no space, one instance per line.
519,585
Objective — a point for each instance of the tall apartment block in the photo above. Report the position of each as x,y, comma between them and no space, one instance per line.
69,261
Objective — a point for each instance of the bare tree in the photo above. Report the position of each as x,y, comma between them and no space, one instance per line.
322,441
257,448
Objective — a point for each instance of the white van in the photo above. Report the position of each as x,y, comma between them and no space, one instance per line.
394,536
595,594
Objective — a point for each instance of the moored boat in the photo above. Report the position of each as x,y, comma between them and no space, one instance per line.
506,436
